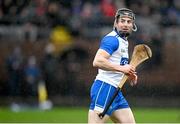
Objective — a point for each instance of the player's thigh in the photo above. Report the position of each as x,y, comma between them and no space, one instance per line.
124,115
94,118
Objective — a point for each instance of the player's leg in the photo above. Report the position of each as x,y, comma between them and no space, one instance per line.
121,112
124,115
94,118
100,93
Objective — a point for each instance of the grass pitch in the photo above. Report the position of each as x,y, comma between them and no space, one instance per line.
79,115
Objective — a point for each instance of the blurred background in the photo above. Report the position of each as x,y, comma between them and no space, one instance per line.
47,48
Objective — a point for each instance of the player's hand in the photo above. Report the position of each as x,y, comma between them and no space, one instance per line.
128,69
133,79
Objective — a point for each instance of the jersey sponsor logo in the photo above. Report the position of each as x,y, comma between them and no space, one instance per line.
123,50
124,61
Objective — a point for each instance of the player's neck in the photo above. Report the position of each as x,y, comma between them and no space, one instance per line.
122,35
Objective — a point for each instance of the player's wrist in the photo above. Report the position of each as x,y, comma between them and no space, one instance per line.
120,68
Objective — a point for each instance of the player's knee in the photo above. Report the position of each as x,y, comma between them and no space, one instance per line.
94,118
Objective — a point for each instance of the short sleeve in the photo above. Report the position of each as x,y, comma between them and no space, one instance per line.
109,44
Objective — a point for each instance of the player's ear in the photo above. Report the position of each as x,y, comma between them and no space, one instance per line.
134,27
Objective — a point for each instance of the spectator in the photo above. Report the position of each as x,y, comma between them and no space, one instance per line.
14,68
72,60
32,76
49,67
108,8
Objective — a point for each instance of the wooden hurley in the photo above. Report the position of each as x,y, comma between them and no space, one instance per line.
140,53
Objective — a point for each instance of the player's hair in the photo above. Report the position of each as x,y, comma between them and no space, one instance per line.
125,12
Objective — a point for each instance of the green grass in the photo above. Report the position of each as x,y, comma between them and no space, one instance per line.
157,115
69,115
79,115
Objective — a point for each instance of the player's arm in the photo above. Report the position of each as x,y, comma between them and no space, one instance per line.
101,61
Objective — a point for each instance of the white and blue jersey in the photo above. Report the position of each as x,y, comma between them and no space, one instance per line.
106,82
117,47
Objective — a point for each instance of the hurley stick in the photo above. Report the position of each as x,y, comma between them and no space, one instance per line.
140,53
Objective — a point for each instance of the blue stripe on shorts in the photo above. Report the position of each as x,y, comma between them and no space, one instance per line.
101,93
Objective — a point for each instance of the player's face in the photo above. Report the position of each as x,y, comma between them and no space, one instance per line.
124,24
